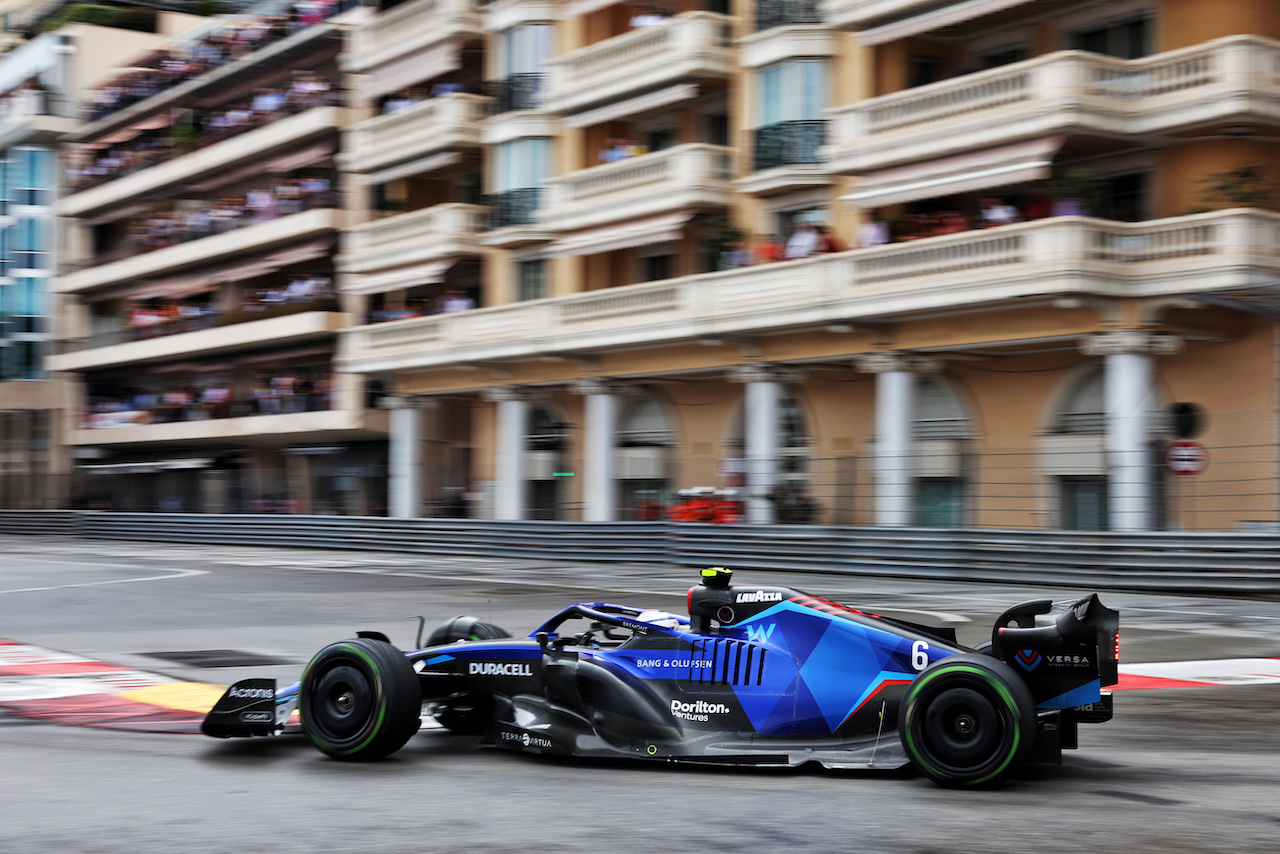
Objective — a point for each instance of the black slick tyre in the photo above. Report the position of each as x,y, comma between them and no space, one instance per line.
359,700
967,721
464,713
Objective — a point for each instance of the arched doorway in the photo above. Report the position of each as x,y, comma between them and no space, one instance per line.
941,428
642,459
545,445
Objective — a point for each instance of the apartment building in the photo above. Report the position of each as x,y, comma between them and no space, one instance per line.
918,262
38,80
203,212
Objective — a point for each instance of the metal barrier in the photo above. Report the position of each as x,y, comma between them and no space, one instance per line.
1223,563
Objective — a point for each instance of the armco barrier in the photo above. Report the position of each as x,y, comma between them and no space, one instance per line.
1228,563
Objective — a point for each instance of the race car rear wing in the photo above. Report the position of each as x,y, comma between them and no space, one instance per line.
1068,662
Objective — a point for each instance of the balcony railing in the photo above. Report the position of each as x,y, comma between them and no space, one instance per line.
781,13
686,176
789,144
514,93
1063,255
409,27
858,14
433,125
212,319
514,207
1233,78
692,44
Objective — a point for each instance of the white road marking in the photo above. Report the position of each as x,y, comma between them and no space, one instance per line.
179,573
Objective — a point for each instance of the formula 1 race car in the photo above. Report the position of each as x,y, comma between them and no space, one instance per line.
753,676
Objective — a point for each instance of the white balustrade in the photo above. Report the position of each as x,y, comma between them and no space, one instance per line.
430,125
820,289
409,26
633,58
1100,86
677,166
430,223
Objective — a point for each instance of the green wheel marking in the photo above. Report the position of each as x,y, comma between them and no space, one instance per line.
1010,705
382,706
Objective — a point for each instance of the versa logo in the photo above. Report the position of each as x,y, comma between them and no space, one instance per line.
1028,658
760,634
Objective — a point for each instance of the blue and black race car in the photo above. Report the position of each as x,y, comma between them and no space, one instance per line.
753,676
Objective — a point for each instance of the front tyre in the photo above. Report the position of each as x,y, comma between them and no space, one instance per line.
967,721
359,700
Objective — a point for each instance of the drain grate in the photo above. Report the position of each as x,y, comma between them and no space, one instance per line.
218,658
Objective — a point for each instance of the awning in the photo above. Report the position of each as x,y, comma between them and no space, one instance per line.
178,287
947,176
633,106
644,232
413,167
149,467
296,159
936,19
413,69
398,279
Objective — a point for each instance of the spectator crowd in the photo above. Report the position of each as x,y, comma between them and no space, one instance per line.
224,45
304,91
266,393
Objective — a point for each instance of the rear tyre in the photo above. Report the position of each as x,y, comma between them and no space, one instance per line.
359,700
967,721
464,713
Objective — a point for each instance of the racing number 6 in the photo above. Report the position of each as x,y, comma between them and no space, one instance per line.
919,655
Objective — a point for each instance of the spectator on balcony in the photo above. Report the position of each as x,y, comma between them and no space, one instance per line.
827,241
803,241
398,102
315,192
455,300
874,231
260,204
996,211
308,89
735,254
768,249
267,103
648,16
445,89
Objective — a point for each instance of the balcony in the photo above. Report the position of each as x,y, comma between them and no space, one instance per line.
1028,261
410,27
254,145
437,124
690,46
188,339
330,425
684,177
286,229
440,231
1198,90
33,117
787,156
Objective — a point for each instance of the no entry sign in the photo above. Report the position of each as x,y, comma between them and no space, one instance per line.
1186,458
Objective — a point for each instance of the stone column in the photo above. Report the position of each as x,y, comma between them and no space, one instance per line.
404,455
1130,400
895,426
599,487
510,498
762,439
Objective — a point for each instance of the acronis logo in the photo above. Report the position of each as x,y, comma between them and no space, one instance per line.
1029,659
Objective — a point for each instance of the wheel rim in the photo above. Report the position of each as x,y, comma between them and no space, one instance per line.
962,729
342,704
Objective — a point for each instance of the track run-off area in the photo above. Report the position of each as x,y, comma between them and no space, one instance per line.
111,652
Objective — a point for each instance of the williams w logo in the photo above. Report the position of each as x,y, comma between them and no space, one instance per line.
1028,658
760,634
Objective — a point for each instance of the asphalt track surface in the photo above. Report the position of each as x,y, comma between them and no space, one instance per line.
1188,769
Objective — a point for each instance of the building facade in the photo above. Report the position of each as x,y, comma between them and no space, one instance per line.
203,213
892,262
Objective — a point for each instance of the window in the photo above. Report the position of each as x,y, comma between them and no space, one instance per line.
657,267
1084,503
31,179
1084,409
1124,197
531,279
31,238
1124,39
1003,56
793,91
939,503
521,164
525,49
